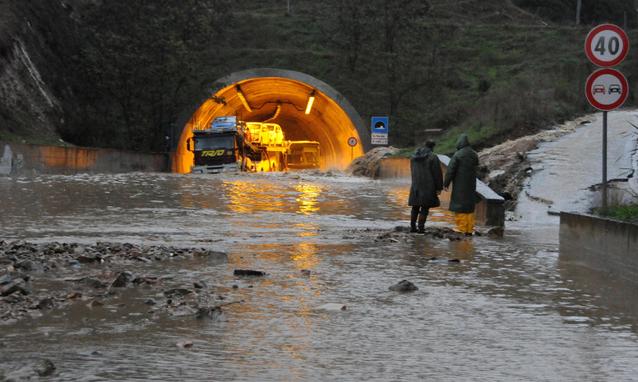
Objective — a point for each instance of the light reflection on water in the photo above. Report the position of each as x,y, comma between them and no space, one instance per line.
509,311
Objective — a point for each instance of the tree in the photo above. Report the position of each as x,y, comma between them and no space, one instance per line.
138,60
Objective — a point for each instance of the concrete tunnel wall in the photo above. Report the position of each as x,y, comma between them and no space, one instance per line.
331,121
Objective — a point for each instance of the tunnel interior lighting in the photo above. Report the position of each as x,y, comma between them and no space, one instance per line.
311,100
242,98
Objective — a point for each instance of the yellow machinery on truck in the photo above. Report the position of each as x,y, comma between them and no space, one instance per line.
270,138
303,155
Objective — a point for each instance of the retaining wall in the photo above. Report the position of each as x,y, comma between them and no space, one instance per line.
605,245
24,159
490,210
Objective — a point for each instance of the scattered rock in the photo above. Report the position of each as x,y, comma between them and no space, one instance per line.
122,280
17,285
184,344
94,304
44,368
495,232
199,285
306,272
404,286
177,292
88,258
443,261
25,265
150,301
145,280
90,282
73,295
333,307
5,279
210,312
248,272
45,303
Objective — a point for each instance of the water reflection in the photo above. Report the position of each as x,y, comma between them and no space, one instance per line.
307,199
247,197
506,298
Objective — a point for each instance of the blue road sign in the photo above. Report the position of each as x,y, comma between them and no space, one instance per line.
380,124
379,127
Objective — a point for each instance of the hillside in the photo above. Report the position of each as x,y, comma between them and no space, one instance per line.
119,74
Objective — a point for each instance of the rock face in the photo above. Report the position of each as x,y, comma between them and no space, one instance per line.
368,165
404,286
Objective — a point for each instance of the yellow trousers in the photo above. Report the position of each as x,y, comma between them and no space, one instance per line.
464,222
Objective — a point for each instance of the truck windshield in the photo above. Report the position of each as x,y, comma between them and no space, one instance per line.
217,142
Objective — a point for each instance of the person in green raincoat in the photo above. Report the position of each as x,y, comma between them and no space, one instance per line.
461,173
427,182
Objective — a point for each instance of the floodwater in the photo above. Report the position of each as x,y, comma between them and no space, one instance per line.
510,310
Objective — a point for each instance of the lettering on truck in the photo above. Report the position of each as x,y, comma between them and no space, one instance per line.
213,153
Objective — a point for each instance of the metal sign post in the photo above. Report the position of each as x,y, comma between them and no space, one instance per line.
352,142
606,89
604,204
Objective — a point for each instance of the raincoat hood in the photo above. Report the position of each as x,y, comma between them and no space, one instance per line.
421,153
463,141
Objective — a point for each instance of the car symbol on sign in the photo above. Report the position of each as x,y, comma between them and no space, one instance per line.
614,88
599,89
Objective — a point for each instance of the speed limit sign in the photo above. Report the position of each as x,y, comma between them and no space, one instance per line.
606,45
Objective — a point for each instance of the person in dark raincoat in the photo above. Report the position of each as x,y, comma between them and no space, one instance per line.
462,172
427,182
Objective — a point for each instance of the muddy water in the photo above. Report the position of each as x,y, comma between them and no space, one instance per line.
508,311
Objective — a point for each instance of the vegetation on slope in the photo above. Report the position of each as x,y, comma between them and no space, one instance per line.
493,68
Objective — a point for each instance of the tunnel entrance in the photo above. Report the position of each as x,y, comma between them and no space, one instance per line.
306,108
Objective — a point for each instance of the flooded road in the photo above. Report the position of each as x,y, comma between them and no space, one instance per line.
509,310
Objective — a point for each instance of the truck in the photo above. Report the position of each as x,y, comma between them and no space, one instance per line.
233,145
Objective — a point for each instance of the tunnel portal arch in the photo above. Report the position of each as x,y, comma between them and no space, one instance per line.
280,96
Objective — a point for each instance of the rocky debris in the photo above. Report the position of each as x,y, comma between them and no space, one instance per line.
400,233
437,260
45,303
495,232
90,282
306,272
333,307
199,285
44,368
122,280
145,280
369,164
209,312
184,344
95,304
15,286
98,270
404,286
177,292
248,272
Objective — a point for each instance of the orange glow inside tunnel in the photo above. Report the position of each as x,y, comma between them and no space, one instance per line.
283,101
